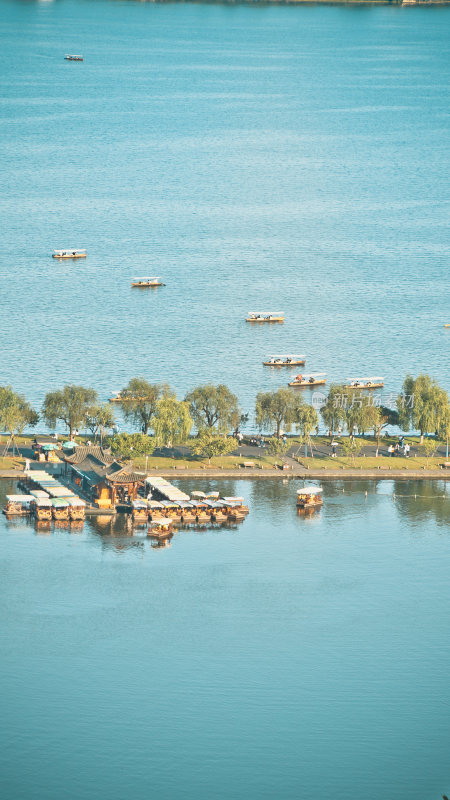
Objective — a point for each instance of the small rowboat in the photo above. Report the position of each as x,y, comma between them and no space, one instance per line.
18,504
146,283
309,497
265,316
160,528
70,252
305,381
366,383
69,57
285,361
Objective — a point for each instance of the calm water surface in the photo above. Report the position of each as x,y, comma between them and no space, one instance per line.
291,159
288,657
272,157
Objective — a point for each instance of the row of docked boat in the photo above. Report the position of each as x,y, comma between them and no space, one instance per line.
197,511
45,508
46,499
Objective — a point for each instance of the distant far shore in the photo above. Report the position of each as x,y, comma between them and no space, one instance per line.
402,3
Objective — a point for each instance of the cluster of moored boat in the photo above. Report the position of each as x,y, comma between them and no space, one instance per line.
201,510
46,499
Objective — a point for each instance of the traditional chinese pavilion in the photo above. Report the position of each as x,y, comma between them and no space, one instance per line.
104,480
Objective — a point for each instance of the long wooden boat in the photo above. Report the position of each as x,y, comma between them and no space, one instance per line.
117,398
146,283
365,383
238,503
306,381
18,505
216,511
77,509
447,325
60,509
69,57
70,252
188,513
265,316
309,497
42,508
201,511
285,361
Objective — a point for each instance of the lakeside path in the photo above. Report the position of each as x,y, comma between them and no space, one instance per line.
297,471
294,471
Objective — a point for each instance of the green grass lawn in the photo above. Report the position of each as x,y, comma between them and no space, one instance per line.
218,462
370,462
7,462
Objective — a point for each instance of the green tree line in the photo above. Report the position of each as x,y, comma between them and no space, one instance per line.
215,412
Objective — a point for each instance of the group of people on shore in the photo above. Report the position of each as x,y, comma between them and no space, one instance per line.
399,448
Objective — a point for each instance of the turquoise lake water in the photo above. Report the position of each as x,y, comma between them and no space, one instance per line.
290,657
291,159
281,158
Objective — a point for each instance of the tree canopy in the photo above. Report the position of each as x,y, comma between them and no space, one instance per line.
276,409
209,444
100,418
70,405
333,410
139,400
305,417
214,407
15,412
381,417
422,405
129,445
172,422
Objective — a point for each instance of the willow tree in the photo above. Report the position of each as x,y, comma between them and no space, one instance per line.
214,407
333,410
139,401
422,404
275,410
172,422
306,420
69,405
382,416
100,419
15,414
444,428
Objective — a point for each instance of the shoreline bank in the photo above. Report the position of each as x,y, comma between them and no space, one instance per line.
306,474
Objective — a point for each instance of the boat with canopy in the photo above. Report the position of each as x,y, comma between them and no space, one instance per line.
366,383
77,508
18,504
309,497
70,57
265,316
60,508
69,252
144,283
160,528
42,508
285,361
139,511
305,381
